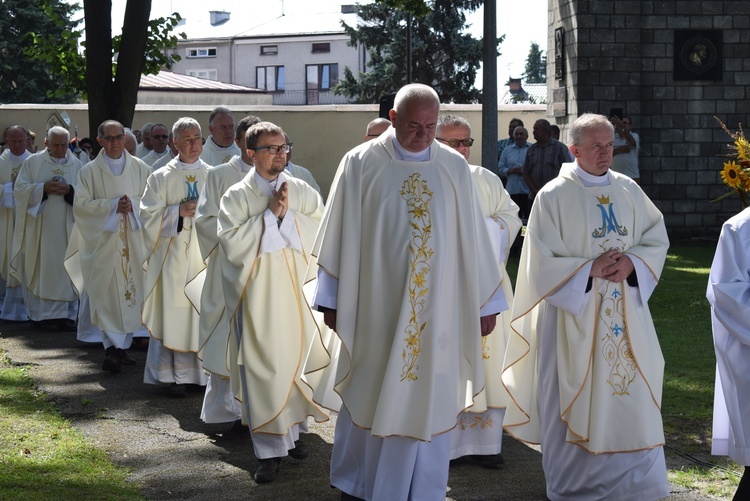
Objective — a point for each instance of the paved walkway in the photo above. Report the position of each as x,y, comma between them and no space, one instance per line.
173,455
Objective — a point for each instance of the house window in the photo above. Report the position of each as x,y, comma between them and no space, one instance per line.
269,78
204,74
201,52
321,47
322,76
269,50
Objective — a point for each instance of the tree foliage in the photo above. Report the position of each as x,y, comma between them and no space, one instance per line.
108,71
24,79
443,56
536,65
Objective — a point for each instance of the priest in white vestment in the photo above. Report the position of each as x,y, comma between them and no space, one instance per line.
729,295
10,163
217,350
111,251
583,364
409,282
159,143
297,170
220,146
171,153
44,192
174,264
144,147
479,435
267,224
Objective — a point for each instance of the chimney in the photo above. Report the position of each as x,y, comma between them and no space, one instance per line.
219,17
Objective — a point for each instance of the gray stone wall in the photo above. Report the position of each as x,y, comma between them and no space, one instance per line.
620,54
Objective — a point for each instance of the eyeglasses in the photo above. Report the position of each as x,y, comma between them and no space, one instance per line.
160,136
625,123
275,149
454,143
110,139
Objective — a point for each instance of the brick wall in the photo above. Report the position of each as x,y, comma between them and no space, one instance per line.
621,54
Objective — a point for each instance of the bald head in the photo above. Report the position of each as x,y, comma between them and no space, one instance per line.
376,127
15,138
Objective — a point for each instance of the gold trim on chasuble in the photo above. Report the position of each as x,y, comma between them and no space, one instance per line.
615,340
467,421
417,196
130,293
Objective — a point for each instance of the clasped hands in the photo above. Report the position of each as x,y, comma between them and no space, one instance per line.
280,202
56,187
613,265
124,205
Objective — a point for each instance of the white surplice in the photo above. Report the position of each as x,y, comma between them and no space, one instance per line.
729,295
173,264
583,368
213,154
41,235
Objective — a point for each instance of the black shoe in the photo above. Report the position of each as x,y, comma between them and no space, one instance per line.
125,359
112,362
238,428
139,344
300,450
177,390
67,325
491,461
267,470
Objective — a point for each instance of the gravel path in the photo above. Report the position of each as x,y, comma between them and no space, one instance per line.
173,455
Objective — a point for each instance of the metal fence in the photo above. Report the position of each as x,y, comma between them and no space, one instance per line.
301,98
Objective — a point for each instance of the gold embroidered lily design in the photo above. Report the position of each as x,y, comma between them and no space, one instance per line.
417,196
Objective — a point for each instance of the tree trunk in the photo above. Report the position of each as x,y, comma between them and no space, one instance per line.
489,88
130,60
98,14
110,99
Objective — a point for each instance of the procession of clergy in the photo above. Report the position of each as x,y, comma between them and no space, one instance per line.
390,304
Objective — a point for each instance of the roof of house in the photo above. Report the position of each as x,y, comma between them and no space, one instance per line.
536,93
246,20
166,80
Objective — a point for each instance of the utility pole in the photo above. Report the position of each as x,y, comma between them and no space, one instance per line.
489,87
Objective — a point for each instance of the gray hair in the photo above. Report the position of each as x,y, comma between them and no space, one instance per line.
452,121
147,127
183,124
129,133
219,110
586,123
58,131
415,92
260,129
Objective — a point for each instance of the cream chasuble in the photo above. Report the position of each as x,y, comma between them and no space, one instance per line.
174,262
609,361
728,293
481,432
9,167
213,154
214,337
110,258
414,266
39,242
302,173
279,334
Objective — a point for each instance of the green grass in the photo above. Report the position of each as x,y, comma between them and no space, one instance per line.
42,456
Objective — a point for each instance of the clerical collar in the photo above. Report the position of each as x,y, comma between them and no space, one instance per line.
268,187
409,156
58,161
590,180
219,146
22,156
185,166
116,165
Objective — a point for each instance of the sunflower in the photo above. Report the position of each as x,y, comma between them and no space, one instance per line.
732,175
742,147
